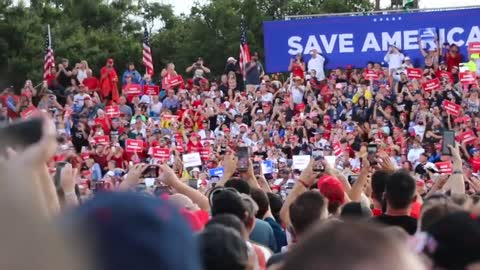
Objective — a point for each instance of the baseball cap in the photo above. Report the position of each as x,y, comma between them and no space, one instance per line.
154,219
456,239
331,188
407,58
473,151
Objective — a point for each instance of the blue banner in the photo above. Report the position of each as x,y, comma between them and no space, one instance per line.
356,40
216,172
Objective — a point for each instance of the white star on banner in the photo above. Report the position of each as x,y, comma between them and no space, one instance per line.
393,18
375,20
381,19
399,18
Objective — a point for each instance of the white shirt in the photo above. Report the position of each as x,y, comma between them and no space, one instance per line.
80,99
267,97
414,155
317,64
81,75
394,60
204,138
297,94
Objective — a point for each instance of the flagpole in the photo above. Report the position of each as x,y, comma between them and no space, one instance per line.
49,36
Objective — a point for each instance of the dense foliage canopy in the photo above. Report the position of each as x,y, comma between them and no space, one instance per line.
97,29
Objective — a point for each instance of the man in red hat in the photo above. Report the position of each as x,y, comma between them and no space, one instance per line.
108,82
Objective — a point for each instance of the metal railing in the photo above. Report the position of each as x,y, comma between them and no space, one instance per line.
375,12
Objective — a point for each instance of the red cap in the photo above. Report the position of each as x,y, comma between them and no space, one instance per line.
331,188
226,129
300,106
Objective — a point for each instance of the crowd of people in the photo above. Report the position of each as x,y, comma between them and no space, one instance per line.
149,171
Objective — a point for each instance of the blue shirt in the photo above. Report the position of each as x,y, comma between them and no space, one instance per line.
263,234
136,77
280,235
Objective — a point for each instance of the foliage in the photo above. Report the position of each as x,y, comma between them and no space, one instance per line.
98,29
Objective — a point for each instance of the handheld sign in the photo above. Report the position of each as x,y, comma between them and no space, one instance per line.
134,146
161,153
466,137
105,140
474,47
191,160
414,73
267,166
300,162
444,167
467,77
216,172
451,107
152,90
28,112
112,111
431,85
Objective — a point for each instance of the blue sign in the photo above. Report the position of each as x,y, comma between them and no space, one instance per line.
217,172
356,40
427,33
267,167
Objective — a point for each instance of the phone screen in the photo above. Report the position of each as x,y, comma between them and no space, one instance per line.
193,183
317,156
152,171
256,168
352,179
243,156
448,138
372,152
99,186
159,190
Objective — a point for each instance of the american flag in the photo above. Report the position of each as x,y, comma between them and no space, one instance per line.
244,57
147,53
49,59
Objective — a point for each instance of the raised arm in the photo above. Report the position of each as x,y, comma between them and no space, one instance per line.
170,179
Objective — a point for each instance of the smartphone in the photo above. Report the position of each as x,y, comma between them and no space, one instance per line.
58,172
99,186
193,183
448,138
317,156
20,134
160,190
372,153
256,168
152,171
352,179
243,155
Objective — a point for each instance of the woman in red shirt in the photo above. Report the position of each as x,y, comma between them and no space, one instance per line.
194,144
453,57
297,66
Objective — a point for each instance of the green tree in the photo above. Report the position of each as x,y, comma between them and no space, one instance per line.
95,30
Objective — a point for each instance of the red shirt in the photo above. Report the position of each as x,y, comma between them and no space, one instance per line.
100,159
194,147
91,83
103,123
298,71
475,162
453,61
